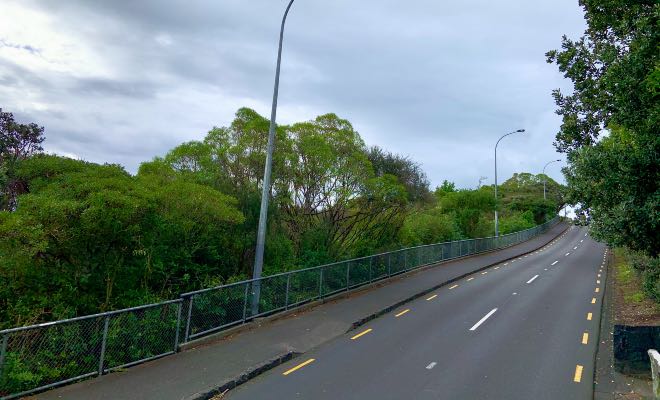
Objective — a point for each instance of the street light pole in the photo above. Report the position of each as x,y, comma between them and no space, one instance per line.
497,225
544,179
265,192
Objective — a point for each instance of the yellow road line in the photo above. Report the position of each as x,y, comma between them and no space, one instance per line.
589,315
361,334
432,297
455,286
585,338
402,312
578,374
593,300
297,367
469,279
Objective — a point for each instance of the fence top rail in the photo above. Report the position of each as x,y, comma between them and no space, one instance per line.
85,317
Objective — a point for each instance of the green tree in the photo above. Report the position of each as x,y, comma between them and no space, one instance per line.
615,71
17,142
407,172
88,238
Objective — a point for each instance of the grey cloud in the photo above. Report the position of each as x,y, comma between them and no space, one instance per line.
109,87
438,81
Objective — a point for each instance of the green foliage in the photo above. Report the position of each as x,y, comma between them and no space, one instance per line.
89,238
17,142
429,226
615,71
407,172
649,270
86,238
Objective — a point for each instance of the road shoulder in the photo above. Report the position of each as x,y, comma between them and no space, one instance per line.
609,384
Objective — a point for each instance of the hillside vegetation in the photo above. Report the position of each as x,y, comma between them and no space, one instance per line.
79,238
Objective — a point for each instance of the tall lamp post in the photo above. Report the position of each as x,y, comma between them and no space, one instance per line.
544,179
497,226
265,192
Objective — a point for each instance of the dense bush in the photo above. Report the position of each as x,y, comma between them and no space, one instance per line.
649,270
82,238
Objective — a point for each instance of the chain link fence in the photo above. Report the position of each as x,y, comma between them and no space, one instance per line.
38,357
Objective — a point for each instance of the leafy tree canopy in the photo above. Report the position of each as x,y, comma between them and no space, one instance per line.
615,71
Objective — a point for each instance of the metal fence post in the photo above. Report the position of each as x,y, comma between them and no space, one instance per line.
245,301
178,326
3,351
389,264
190,304
286,299
103,343
320,283
405,260
348,274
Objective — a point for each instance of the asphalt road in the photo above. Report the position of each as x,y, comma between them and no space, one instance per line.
524,329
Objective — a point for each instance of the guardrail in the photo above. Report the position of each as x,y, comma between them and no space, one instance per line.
38,357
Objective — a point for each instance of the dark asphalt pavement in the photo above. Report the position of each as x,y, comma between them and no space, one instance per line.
518,330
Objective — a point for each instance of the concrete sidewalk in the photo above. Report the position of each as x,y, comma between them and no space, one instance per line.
200,372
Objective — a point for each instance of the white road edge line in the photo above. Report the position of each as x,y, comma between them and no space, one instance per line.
482,320
433,364
532,280
555,262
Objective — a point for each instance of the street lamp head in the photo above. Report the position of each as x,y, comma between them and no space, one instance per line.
520,130
558,160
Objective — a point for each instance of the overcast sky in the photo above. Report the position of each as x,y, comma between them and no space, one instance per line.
439,81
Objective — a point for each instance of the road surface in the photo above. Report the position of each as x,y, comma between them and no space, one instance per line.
523,329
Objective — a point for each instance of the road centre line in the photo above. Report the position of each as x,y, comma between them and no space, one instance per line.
361,333
297,367
589,316
482,320
469,279
532,280
597,282
593,300
597,290
585,338
555,262
567,254
484,273
578,374
575,248
455,286
432,297
496,268
430,366
402,312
